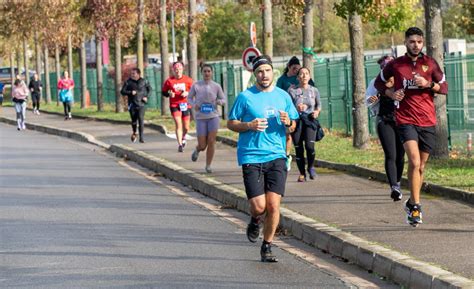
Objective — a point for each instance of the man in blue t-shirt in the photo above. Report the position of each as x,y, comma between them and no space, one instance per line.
2,91
261,115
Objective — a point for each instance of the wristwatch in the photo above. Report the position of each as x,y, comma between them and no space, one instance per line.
432,84
291,122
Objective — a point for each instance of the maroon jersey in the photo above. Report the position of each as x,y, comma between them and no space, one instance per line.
417,107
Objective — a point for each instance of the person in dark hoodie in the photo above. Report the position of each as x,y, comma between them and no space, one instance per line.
35,87
137,89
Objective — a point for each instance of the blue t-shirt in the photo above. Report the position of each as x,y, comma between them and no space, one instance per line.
255,146
1,87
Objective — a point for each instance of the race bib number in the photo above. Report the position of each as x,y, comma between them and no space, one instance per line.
270,112
207,108
183,106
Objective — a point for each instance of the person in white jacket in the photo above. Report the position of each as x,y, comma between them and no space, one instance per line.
383,108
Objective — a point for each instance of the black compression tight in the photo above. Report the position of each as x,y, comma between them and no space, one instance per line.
67,108
303,139
393,150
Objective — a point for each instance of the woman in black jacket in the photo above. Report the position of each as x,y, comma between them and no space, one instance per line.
137,89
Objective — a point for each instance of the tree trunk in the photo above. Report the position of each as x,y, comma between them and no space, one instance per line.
25,61
18,63
322,20
308,40
47,81
359,110
267,28
145,52
82,54
70,69
37,55
100,78
57,62
192,38
434,48
118,73
12,67
141,10
164,55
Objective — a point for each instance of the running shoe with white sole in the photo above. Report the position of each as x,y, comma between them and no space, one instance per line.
414,213
253,231
195,155
396,194
267,254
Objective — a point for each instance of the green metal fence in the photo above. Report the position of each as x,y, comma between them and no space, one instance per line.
332,78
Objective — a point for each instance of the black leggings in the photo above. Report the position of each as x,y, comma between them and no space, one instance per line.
137,113
36,98
67,108
392,148
306,134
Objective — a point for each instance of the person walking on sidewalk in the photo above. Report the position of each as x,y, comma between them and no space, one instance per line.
65,87
308,104
205,95
137,90
260,115
384,108
417,77
177,89
35,87
19,97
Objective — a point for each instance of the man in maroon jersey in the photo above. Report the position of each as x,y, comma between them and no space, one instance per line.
417,78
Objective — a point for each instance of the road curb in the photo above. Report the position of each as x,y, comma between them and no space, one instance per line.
388,263
359,171
429,188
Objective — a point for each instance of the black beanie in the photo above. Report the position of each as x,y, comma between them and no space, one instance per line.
294,60
260,60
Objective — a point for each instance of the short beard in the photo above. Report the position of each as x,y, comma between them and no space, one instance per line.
411,54
264,86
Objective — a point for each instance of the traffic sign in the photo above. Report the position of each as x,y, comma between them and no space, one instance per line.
247,57
253,34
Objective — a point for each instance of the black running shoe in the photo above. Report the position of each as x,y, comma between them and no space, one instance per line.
396,194
414,213
267,254
253,231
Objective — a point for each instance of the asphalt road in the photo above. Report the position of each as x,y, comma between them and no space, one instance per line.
74,216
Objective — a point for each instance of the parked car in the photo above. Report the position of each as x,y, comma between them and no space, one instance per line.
5,74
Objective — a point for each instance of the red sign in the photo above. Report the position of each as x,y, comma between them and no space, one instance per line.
248,56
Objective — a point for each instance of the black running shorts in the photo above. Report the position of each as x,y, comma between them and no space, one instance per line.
265,177
424,136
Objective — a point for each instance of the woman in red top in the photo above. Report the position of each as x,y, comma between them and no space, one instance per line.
65,87
177,89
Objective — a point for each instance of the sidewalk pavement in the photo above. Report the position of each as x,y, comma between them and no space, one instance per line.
354,205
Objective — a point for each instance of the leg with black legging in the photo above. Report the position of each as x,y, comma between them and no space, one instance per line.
298,137
134,116
66,109
400,162
36,99
388,139
309,139
141,119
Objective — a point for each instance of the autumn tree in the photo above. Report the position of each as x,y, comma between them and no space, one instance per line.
434,48
351,10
